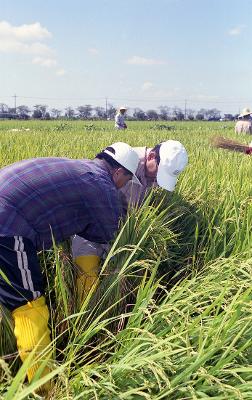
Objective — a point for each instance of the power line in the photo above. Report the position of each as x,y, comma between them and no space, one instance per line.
168,102
160,99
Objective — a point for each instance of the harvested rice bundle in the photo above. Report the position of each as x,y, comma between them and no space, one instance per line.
229,144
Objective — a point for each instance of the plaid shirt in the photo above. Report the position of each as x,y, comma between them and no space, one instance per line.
44,196
131,194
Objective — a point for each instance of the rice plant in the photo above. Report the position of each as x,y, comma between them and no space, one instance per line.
171,317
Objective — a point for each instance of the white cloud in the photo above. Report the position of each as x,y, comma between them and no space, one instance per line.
93,51
13,46
237,30
61,72
137,60
39,48
24,39
147,85
24,32
45,62
28,39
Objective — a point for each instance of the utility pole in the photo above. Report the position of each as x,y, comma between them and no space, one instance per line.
185,109
15,103
106,107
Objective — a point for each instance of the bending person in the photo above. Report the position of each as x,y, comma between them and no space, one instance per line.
244,123
158,166
42,197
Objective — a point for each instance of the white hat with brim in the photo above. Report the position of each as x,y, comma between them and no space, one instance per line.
245,111
126,156
122,108
173,160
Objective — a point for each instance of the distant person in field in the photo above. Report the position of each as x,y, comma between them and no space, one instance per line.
244,123
59,197
120,118
158,166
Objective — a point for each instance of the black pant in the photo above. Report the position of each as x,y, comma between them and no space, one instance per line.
20,274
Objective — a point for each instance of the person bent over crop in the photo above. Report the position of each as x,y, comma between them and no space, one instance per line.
59,197
244,123
158,166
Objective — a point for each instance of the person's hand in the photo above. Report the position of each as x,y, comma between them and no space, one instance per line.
248,150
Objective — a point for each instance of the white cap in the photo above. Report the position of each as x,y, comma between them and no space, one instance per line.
126,156
122,108
173,159
245,111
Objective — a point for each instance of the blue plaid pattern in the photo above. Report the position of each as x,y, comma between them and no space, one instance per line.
42,197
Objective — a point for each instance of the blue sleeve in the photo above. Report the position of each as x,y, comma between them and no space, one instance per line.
104,213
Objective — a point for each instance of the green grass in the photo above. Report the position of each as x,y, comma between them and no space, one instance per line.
172,316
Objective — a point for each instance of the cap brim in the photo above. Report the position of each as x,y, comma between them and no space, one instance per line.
165,180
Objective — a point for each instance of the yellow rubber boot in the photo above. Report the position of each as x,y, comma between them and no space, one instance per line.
87,276
31,331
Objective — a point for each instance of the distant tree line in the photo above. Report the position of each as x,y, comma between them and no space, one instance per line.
88,112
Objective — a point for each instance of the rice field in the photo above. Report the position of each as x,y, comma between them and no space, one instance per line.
172,317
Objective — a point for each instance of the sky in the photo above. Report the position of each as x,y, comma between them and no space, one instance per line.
137,53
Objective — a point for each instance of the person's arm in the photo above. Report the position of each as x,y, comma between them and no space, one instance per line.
124,203
103,210
103,225
133,194
117,120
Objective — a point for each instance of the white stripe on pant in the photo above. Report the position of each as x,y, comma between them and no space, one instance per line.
23,266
